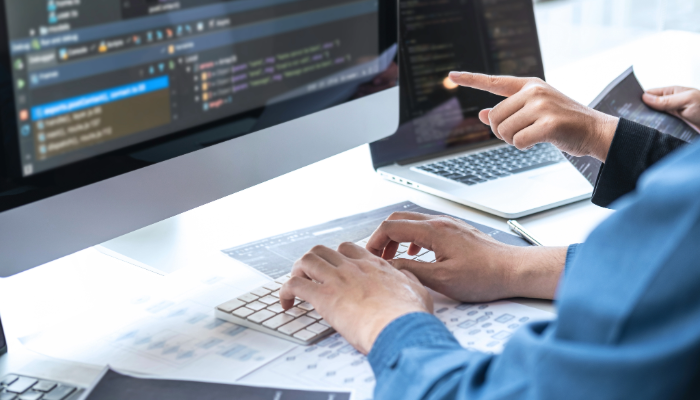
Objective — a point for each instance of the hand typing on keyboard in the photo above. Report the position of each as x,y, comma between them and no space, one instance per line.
471,266
356,292
360,291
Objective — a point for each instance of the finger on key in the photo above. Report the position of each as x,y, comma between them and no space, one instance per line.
418,232
390,250
312,266
414,249
331,256
392,247
298,287
351,250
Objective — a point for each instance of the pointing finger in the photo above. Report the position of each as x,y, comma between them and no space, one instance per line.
500,85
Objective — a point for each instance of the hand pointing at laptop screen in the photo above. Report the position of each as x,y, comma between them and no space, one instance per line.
534,112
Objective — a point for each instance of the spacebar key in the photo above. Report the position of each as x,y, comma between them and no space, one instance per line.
530,167
296,325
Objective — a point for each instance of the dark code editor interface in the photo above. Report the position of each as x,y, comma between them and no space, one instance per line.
92,76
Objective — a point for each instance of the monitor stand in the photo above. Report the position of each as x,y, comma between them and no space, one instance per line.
154,248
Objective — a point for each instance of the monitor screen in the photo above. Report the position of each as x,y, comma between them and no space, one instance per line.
93,89
3,342
487,36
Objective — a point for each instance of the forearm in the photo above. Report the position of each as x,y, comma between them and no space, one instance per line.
537,272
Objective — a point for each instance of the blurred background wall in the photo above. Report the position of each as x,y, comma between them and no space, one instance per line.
574,29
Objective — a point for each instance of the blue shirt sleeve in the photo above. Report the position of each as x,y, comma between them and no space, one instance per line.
628,324
570,253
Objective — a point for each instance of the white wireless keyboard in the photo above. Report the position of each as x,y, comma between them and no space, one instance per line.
261,310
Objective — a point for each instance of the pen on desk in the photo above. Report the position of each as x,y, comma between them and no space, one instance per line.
517,228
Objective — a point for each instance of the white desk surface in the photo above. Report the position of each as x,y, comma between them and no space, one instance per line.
342,185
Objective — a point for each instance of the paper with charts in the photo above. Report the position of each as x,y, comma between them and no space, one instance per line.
335,363
168,330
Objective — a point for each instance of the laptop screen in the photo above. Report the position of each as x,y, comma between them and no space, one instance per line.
487,36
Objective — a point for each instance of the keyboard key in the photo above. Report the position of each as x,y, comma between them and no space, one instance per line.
282,279
405,256
247,297
7,396
257,306
273,286
276,308
318,328
243,312
314,314
21,385
44,386
295,312
30,395
278,320
306,306
427,257
59,393
229,306
9,379
304,335
296,325
531,167
323,321
260,316
269,300
275,294
261,292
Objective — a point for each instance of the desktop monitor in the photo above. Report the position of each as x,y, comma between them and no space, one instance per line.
117,114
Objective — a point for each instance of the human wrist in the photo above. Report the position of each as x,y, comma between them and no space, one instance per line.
606,126
536,271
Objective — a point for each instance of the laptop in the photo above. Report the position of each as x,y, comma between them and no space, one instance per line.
441,147
23,386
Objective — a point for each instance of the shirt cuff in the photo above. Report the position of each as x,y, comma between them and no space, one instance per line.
626,161
570,253
410,330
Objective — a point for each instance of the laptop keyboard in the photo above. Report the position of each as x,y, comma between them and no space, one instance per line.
261,310
494,164
17,387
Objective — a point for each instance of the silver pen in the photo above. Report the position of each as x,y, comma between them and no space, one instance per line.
517,228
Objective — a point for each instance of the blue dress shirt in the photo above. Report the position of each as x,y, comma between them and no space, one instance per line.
628,324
